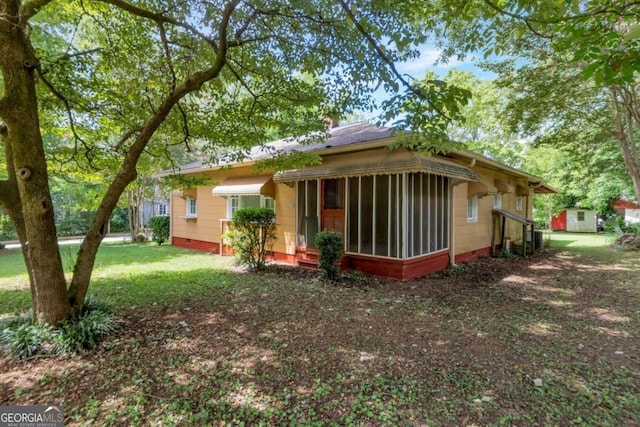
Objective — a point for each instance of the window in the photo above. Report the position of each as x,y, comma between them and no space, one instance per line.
519,203
258,201
497,201
192,207
333,198
580,215
162,209
472,209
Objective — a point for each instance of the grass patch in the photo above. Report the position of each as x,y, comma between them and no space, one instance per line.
560,239
125,275
548,340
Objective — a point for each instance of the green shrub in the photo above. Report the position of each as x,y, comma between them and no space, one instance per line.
22,338
253,235
160,228
84,332
329,244
7,232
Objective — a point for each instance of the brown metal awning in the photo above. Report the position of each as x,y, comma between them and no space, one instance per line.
245,186
503,187
482,187
377,162
542,188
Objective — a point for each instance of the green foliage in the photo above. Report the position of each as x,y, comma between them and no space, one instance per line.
160,226
254,232
22,338
119,220
329,244
73,336
7,231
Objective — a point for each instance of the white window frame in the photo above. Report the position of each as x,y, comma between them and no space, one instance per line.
162,209
584,216
519,200
472,209
235,202
497,201
191,207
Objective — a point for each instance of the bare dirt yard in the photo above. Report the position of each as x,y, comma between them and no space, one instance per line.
547,340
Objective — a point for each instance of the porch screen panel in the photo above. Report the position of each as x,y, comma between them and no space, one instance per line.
444,218
367,214
416,231
426,213
307,212
312,219
301,240
381,225
433,214
374,215
353,196
395,224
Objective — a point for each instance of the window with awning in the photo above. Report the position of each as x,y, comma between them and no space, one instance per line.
245,186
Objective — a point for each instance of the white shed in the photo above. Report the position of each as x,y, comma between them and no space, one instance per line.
582,220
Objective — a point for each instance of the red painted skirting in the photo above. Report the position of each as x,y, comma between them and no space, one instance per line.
199,245
398,268
385,267
468,256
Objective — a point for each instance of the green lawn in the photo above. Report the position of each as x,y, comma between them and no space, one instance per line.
560,239
547,340
125,275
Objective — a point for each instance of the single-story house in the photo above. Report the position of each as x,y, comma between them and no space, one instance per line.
402,215
628,210
575,220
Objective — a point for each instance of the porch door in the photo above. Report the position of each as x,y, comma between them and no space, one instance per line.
332,207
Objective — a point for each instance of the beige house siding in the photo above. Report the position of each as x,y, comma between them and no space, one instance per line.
474,236
285,198
212,209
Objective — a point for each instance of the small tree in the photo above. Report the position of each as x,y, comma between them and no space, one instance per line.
253,235
160,228
329,243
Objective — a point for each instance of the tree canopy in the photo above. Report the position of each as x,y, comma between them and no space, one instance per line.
98,85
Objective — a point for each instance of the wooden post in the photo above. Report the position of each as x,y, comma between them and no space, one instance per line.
524,240
494,217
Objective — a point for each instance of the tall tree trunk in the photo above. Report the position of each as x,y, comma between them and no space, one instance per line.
19,111
626,118
21,131
10,203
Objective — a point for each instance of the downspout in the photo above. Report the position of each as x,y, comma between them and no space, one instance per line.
452,218
171,217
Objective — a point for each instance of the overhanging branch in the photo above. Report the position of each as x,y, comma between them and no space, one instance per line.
127,172
158,18
378,50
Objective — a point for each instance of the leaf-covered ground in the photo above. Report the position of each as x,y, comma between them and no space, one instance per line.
549,340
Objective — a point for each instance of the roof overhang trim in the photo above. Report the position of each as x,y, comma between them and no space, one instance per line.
377,162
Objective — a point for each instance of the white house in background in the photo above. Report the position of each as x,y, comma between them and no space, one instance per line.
628,210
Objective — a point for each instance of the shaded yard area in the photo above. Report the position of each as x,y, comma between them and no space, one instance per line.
551,339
